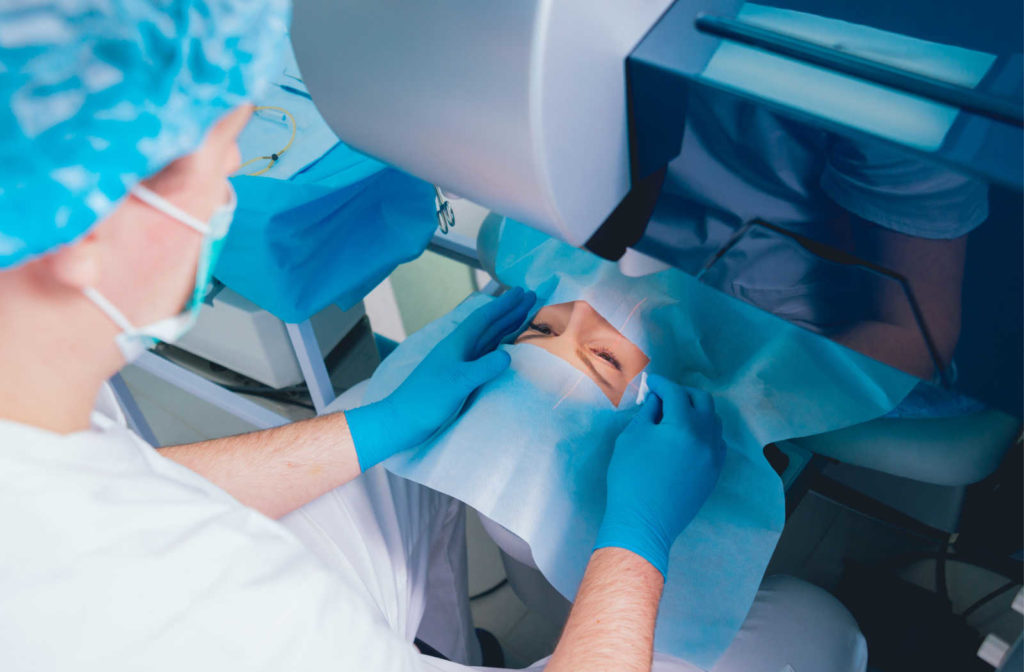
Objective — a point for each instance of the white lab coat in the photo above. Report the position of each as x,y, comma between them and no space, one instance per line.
115,558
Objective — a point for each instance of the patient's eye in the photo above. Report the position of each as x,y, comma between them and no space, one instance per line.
540,328
609,357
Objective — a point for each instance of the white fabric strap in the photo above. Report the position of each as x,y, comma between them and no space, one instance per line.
157,201
111,311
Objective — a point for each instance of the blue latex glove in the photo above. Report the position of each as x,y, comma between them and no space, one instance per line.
665,464
439,385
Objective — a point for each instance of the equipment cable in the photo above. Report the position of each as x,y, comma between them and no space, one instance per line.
274,157
269,394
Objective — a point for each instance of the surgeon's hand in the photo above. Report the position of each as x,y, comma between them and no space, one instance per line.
437,388
665,464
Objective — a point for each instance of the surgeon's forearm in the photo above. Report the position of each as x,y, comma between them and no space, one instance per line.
898,346
611,626
276,470
933,270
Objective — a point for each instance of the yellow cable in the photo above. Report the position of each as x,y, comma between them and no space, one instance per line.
274,157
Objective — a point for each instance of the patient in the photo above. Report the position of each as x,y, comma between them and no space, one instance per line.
578,334
531,448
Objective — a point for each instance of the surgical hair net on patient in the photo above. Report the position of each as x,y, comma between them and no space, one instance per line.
96,95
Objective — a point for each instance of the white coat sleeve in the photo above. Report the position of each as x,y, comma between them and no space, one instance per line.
116,559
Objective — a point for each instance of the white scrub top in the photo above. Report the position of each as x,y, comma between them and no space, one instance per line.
115,558
118,559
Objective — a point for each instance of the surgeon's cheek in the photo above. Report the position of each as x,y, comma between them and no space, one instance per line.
233,160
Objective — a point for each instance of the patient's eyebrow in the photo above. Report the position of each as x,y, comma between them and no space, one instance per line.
584,356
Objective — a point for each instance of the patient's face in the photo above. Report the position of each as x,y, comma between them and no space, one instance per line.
579,335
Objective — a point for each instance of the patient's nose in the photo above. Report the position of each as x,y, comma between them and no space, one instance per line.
583,319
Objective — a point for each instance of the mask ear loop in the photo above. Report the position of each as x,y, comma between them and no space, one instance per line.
158,202
111,311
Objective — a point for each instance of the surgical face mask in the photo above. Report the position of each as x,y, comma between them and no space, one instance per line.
133,341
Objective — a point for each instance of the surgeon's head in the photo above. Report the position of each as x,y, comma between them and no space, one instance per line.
142,259
578,334
120,125
139,258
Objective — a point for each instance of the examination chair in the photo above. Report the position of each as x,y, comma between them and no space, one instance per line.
917,467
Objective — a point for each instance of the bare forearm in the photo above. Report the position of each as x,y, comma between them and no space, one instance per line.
933,270
611,626
276,470
898,346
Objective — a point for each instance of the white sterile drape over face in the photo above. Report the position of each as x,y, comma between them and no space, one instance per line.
530,450
549,421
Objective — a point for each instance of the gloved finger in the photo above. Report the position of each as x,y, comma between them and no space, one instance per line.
702,401
675,400
508,324
468,333
485,369
650,411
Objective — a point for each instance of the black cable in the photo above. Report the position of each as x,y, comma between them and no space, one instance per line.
490,591
272,395
174,354
988,598
264,389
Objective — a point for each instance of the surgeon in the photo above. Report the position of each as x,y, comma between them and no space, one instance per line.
117,134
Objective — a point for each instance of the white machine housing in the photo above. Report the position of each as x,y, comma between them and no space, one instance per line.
520,106
239,335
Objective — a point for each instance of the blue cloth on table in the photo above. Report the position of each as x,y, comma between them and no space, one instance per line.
329,234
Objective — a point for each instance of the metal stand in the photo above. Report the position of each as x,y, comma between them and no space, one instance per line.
307,350
136,421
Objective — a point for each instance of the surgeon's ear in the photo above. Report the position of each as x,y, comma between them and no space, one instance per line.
76,265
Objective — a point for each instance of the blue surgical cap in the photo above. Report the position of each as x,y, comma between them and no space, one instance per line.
96,95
